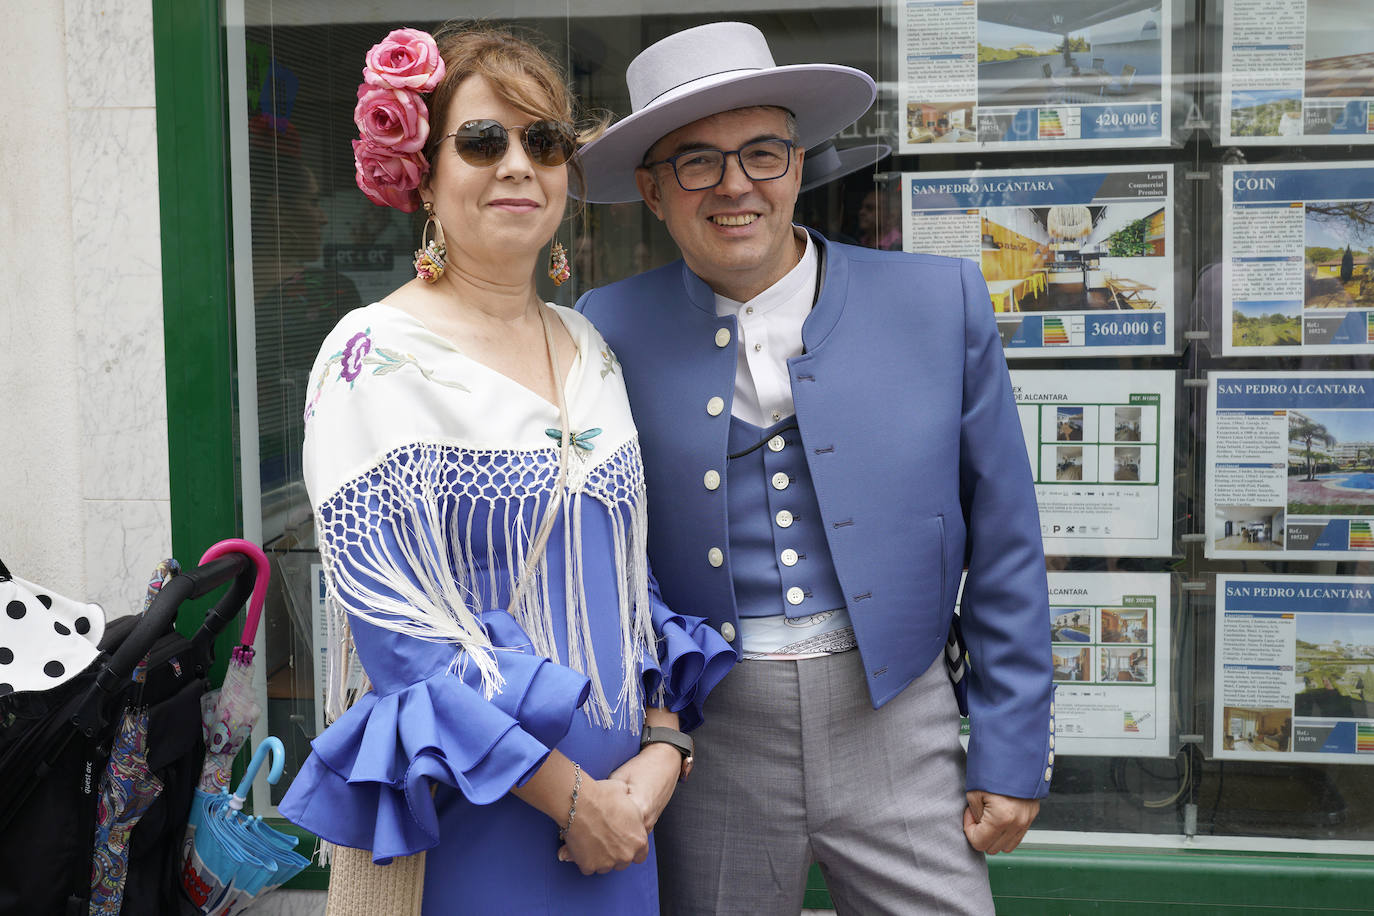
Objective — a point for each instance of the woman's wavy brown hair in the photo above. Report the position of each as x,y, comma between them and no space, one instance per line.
522,73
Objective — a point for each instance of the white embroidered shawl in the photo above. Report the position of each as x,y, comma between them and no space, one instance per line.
402,428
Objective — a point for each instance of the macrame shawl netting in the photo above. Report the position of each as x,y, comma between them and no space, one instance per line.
430,474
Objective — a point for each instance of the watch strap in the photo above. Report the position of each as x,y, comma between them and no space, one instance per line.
661,734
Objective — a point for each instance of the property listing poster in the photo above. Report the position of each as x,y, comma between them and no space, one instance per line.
1101,447
1298,263
1010,74
1290,465
1078,261
1297,72
1110,639
1294,669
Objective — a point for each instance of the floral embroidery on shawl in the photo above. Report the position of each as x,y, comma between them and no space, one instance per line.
609,362
360,352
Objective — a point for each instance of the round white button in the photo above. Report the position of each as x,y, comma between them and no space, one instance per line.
1051,709
723,337
795,595
758,347
727,630
780,481
715,406
777,415
784,519
1051,740
776,444
1048,770
711,479
714,556
1051,756
748,310
789,557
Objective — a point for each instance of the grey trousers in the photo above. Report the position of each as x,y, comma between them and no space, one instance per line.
795,766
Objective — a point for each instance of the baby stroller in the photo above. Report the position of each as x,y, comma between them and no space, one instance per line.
55,744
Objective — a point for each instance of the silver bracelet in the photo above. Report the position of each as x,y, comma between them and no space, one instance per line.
572,809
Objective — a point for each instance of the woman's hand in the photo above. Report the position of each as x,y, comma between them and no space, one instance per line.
608,832
652,776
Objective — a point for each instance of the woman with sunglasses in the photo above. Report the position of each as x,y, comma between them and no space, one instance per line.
479,498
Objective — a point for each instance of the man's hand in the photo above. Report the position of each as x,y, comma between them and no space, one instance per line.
651,775
997,823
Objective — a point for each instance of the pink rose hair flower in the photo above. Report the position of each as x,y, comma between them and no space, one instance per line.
405,59
389,178
392,117
393,120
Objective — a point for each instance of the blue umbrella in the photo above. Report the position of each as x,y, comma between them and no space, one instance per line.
232,858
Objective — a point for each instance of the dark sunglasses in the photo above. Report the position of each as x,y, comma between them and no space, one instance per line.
483,143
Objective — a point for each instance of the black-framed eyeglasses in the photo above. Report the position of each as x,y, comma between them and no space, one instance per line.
699,169
483,143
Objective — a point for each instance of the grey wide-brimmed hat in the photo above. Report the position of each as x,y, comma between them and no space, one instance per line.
827,162
703,71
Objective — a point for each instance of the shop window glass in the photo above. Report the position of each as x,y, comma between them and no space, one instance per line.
1164,106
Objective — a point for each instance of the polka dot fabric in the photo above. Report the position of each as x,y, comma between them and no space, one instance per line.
45,639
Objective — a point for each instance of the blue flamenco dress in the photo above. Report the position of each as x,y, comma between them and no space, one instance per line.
429,474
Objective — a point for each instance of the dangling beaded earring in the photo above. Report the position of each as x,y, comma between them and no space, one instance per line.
559,271
429,257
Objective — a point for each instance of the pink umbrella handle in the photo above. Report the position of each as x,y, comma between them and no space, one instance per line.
255,603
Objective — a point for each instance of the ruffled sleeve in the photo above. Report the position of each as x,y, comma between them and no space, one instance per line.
692,659
367,783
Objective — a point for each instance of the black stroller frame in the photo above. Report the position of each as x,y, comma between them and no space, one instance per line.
55,744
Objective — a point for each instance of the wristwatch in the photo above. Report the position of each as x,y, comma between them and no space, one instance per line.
661,734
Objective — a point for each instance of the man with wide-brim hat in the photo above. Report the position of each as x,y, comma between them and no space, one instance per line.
829,438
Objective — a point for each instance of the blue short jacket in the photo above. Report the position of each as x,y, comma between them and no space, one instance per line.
912,438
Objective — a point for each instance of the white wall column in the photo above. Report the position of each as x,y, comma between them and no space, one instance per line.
83,416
